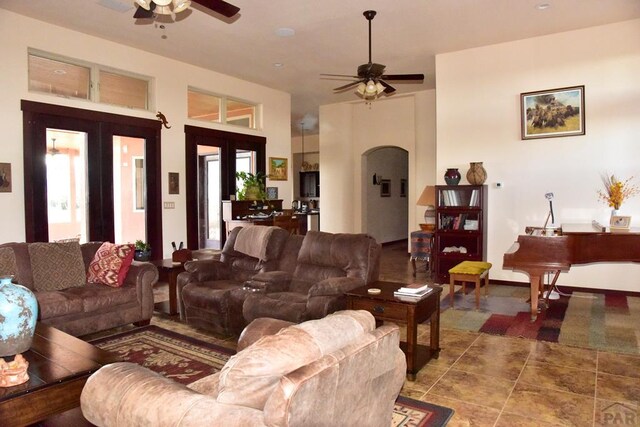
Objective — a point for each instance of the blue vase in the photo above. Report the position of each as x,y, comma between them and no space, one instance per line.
19,312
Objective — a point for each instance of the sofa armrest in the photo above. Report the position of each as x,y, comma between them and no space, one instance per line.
205,270
143,275
335,286
271,281
128,394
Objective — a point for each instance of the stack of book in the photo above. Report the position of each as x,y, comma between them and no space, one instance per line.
412,292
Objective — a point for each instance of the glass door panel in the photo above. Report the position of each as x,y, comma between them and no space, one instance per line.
209,197
245,162
129,189
66,162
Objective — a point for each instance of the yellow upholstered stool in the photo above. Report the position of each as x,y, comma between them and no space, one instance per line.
473,272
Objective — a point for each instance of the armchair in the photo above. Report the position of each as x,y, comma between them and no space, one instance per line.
328,265
339,370
204,287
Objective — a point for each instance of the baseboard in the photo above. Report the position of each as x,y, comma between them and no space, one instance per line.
394,242
566,288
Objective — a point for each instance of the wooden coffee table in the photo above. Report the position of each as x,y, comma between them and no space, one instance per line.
386,307
59,365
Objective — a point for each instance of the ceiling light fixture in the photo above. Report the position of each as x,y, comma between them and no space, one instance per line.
543,6
164,7
371,90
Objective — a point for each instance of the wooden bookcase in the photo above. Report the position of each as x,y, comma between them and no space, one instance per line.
461,222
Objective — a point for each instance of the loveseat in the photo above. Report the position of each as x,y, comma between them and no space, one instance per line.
283,276
58,274
339,370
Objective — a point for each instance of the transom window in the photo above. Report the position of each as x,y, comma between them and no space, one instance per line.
73,78
221,109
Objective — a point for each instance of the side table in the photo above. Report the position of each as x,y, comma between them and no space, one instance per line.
168,272
421,247
386,307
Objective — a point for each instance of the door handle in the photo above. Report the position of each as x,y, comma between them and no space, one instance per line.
378,309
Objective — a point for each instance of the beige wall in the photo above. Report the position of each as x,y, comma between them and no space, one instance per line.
348,130
478,119
172,79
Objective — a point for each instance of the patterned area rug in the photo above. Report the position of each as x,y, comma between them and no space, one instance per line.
186,360
582,319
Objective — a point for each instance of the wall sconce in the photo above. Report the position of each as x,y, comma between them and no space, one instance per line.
377,179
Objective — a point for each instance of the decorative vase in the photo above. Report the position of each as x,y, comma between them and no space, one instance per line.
452,176
19,312
252,193
140,255
476,175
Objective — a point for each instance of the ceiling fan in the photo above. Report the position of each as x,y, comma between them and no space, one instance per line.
370,80
150,8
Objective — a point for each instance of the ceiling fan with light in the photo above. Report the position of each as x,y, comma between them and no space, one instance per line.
151,8
371,79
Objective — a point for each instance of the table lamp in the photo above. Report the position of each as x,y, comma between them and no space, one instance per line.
428,199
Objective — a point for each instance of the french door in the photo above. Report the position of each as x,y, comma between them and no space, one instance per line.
90,175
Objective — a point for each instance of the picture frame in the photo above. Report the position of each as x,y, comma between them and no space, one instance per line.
552,113
619,222
403,187
385,188
174,183
278,168
272,193
5,178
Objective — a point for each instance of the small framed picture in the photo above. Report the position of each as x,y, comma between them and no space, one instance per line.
620,222
553,112
385,188
403,188
272,193
278,168
174,183
5,177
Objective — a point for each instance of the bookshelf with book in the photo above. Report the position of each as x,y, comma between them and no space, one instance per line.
461,227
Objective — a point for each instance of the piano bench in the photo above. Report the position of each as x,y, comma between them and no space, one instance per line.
472,272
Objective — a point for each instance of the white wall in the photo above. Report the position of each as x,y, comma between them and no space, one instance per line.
348,130
172,79
478,119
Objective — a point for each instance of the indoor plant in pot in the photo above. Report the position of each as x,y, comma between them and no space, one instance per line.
142,251
253,186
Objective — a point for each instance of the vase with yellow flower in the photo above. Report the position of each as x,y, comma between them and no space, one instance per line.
616,191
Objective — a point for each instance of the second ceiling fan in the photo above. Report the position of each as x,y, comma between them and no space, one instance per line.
371,79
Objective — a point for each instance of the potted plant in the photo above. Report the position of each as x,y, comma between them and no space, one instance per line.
253,186
142,251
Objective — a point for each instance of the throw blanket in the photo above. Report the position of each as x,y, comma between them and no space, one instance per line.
252,241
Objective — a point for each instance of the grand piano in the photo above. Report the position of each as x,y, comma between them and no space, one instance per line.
571,244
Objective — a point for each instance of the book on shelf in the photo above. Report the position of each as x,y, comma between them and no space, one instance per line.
412,292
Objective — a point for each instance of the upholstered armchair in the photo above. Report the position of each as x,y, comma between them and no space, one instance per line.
204,287
328,265
339,370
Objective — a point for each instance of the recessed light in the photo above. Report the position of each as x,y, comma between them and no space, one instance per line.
285,32
59,72
278,64
543,6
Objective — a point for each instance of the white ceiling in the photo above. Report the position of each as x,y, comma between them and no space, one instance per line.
330,36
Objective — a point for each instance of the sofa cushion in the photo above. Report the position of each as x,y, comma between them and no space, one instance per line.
253,241
110,264
52,304
96,297
8,266
56,266
251,376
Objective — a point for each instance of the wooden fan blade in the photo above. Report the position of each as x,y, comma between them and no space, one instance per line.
403,77
219,6
347,86
387,87
142,13
339,75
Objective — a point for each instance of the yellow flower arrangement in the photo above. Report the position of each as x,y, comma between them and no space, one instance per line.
616,191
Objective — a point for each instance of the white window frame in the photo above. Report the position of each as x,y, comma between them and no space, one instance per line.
94,84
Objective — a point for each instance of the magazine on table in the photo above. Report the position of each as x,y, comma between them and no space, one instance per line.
414,291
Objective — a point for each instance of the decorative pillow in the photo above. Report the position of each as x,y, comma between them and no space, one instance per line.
56,266
110,264
8,266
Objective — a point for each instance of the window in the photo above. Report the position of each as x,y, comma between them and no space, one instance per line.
221,109
138,183
73,78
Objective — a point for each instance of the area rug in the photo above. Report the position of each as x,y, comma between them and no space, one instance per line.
608,322
185,360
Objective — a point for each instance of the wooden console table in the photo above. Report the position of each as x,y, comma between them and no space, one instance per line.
386,307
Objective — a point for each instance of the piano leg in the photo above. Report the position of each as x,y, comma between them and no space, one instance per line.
536,286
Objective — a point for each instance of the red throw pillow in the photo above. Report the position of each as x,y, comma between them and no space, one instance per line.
110,264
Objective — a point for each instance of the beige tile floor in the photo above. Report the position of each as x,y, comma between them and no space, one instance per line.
506,381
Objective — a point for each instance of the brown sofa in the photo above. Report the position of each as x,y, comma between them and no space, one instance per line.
84,308
339,370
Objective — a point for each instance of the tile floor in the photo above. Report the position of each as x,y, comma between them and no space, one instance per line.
510,382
